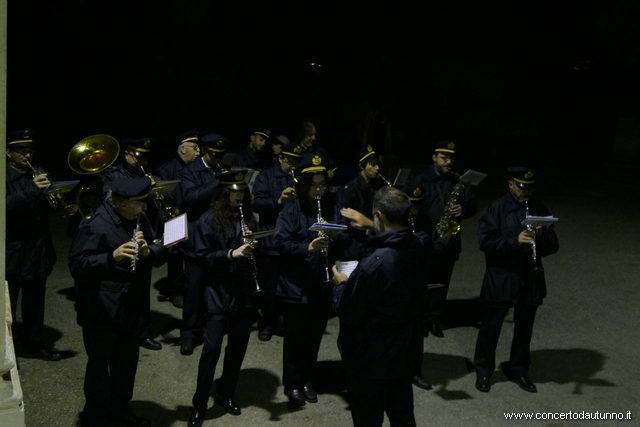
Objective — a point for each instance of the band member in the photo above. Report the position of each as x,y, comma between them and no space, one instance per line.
305,302
513,278
188,152
112,272
380,307
198,179
197,186
307,139
224,258
255,155
277,143
134,164
273,188
358,195
437,184
30,254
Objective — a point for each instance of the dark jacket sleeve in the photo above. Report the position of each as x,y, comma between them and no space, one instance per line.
263,202
491,239
288,226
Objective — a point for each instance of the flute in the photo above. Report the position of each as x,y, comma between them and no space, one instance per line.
134,260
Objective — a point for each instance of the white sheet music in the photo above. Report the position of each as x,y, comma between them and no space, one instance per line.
175,230
346,267
473,177
539,220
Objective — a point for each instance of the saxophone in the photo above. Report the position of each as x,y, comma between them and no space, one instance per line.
448,225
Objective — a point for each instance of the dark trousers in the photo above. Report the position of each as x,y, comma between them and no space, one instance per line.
112,361
369,399
304,326
437,297
32,308
489,333
175,275
268,278
193,311
239,329
144,321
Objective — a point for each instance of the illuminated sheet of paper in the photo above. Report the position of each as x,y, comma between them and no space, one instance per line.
346,267
61,186
175,230
539,220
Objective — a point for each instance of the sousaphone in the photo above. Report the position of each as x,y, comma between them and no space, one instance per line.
91,156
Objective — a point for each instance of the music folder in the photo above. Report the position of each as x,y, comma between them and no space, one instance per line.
473,177
326,226
61,186
535,221
175,230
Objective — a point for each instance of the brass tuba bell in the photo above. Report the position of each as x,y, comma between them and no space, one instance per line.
92,155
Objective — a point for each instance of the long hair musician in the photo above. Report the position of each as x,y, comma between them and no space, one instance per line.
306,303
223,255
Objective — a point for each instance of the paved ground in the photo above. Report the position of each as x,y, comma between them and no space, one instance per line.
585,345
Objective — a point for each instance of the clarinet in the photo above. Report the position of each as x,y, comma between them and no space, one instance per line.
134,260
534,252
246,238
325,236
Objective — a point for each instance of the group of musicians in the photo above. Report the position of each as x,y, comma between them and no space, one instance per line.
251,248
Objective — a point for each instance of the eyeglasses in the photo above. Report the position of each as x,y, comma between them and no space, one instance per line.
25,151
194,147
319,186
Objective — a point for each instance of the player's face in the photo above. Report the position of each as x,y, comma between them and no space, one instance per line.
371,170
134,161
131,208
289,164
443,163
318,185
521,194
191,152
19,156
310,138
258,142
235,196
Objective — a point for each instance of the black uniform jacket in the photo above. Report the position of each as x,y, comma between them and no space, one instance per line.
29,248
358,195
198,182
436,191
266,192
247,158
301,273
508,275
123,170
110,292
381,304
228,282
169,172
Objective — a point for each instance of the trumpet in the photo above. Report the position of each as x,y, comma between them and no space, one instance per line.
325,236
534,252
134,260
258,293
385,180
54,198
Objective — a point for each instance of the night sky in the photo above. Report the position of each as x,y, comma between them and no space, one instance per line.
497,76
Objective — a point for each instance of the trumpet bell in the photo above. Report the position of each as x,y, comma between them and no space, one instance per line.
93,154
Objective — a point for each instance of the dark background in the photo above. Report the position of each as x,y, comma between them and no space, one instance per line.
535,83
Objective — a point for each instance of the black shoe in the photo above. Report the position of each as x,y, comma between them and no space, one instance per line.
49,356
523,381
483,384
177,301
151,344
131,420
197,416
228,404
265,333
187,346
420,382
296,398
309,394
435,329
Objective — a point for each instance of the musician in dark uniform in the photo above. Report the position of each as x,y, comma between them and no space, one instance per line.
29,252
358,195
224,259
111,295
437,184
134,164
305,302
307,139
513,278
272,190
136,159
380,307
188,151
198,183
256,155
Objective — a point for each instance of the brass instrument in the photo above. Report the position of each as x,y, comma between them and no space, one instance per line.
448,225
534,252
168,212
325,236
92,155
134,260
258,293
385,180
54,198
